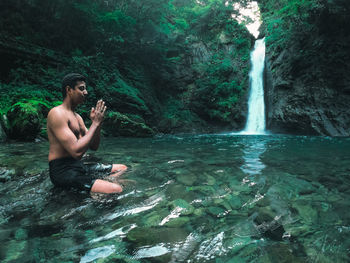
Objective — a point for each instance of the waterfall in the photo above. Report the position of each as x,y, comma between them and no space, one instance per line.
256,105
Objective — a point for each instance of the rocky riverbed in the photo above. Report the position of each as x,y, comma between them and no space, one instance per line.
195,199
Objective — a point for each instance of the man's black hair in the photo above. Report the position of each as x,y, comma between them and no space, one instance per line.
71,80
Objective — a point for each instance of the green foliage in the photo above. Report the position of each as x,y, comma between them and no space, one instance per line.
224,82
287,20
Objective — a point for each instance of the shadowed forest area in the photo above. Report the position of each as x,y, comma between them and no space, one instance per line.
170,66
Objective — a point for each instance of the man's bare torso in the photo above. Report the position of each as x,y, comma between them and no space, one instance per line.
71,120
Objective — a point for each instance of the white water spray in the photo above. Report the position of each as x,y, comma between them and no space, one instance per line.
256,105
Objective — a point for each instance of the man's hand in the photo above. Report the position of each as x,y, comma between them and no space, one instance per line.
97,114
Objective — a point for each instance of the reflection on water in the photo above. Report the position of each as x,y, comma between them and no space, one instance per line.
251,155
197,199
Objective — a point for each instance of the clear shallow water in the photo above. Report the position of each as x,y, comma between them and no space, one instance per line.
196,199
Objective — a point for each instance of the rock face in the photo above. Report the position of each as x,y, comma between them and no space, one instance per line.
307,84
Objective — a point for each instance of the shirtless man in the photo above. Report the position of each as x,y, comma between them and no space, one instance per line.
70,139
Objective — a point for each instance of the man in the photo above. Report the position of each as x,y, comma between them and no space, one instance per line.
70,139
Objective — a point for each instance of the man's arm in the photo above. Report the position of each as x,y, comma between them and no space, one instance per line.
57,122
95,142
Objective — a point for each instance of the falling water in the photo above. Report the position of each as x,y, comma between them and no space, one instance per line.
256,106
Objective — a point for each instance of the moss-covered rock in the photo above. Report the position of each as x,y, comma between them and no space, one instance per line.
24,121
117,124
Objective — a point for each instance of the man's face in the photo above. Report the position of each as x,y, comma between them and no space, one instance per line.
79,92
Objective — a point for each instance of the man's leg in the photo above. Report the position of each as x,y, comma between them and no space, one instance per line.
102,186
118,169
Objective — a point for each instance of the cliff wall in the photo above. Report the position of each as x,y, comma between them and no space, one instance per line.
307,80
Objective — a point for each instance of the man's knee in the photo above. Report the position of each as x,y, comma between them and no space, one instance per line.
101,186
119,167
116,189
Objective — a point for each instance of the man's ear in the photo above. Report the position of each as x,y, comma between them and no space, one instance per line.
68,88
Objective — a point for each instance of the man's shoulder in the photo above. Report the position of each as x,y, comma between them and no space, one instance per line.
57,112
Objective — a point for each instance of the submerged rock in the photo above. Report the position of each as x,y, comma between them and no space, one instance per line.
308,214
154,235
178,222
185,208
15,251
282,253
186,179
215,211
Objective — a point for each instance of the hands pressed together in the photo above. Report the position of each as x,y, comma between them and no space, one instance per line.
97,114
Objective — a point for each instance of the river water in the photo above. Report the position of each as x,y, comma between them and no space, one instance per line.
209,198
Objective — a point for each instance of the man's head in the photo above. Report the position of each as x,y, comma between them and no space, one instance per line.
71,80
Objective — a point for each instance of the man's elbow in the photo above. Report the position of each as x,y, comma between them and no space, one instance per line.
77,155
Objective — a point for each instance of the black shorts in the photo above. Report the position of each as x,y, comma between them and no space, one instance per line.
69,172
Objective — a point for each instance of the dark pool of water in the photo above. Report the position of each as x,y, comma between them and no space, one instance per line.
214,198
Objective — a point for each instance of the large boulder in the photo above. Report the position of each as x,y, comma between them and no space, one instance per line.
24,121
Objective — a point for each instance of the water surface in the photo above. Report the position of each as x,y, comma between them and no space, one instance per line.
210,198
